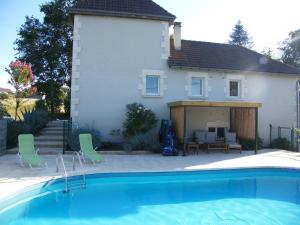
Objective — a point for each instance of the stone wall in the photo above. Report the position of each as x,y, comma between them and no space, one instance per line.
3,132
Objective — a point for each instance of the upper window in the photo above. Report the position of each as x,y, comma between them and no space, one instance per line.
197,86
152,85
235,88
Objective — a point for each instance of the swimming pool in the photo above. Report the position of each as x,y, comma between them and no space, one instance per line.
231,197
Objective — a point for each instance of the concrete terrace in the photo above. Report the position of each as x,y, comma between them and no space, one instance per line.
13,177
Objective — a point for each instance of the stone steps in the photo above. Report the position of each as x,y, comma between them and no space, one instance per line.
50,140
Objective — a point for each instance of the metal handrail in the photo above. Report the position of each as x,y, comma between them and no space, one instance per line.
60,157
81,166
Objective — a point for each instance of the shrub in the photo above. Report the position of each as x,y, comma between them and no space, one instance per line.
14,129
281,143
73,138
3,111
41,105
143,142
35,119
139,120
248,144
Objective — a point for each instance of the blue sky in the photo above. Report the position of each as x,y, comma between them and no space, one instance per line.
267,21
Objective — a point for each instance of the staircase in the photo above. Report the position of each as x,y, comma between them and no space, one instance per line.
50,140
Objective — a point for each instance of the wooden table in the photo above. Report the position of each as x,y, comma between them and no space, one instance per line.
217,146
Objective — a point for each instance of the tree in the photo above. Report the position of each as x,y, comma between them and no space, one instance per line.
268,52
21,79
240,37
48,46
291,49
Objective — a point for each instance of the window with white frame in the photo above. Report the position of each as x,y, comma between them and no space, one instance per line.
197,86
235,88
152,85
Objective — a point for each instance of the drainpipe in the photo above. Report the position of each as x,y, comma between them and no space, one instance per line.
298,110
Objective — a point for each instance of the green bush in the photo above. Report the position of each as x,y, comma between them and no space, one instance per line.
14,129
67,104
41,105
248,144
73,138
3,111
143,142
139,120
36,120
281,143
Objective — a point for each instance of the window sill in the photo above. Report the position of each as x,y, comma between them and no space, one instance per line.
198,97
152,96
234,98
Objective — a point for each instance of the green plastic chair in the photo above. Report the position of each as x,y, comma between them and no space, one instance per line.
27,152
87,150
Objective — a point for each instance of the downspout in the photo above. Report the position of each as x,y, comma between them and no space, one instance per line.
298,110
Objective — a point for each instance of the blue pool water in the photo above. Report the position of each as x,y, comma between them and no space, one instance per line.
227,197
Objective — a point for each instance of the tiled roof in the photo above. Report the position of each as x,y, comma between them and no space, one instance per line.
207,55
5,90
145,9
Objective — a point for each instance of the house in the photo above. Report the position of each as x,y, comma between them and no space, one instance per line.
5,90
123,53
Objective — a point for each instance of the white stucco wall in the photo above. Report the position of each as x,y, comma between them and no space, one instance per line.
204,117
111,55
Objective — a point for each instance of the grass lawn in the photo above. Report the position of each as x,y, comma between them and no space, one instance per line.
10,103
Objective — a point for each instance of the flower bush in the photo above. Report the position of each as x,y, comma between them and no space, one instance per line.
20,72
21,78
139,120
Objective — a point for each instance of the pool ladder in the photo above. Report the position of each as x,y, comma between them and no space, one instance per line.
69,183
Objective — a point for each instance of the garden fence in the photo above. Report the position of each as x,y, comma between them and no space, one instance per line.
289,133
3,133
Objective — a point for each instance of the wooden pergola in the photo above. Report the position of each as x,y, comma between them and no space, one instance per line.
243,117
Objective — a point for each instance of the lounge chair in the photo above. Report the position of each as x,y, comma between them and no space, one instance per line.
87,150
231,141
211,138
27,153
200,136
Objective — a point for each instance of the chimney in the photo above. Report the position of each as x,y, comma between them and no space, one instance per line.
177,35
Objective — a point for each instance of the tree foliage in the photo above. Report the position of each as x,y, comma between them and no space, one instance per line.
239,36
291,49
47,45
268,53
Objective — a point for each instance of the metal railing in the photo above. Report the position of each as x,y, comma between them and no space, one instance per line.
61,159
77,155
284,132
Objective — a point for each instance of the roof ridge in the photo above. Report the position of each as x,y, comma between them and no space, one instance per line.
140,9
247,49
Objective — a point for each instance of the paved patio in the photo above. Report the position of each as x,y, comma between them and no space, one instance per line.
13,177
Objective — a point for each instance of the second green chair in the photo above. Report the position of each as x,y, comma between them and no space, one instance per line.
87,150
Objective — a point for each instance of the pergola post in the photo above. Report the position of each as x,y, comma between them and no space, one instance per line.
256,130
